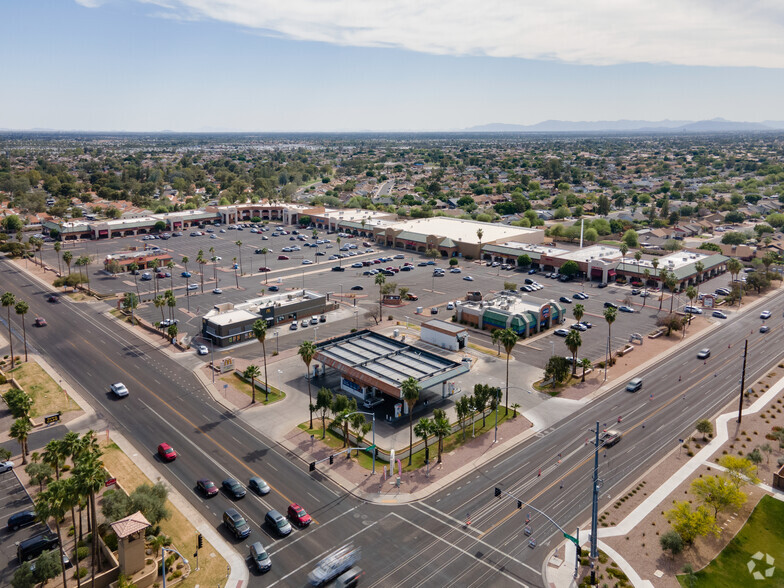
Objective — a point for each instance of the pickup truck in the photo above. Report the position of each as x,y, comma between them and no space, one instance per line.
609,438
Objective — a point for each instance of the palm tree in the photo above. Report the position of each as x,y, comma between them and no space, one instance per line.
672,283
236,277
577,312
67,258
70,446
307,350
624,248
171,302
410,390
646,275
663,277
655,264
508,339
339,258
239,249
134,268
251,373
496,338
422,430
201,261
21,309
734,266
57,247
691,294
264,252
20,430
573,342
260,332
441,428
84,261
699,268
610,315
55,502
8,300
159,302
154,264
214,260
89,475
585,363
379,281
479,234
170,267
54,456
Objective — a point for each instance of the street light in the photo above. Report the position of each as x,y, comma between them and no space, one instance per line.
163,560
356,316
212,349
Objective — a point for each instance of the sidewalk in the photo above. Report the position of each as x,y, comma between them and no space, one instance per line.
560,573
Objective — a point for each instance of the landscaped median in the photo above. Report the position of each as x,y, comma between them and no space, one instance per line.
48,397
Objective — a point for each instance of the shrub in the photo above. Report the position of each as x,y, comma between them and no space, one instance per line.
82,553
111,541
82,573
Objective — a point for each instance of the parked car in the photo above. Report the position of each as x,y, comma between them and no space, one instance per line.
6,466
202,349
119,390
293,326
35,546
166,452
581,296
718,314
338,268
357,288
434,310
610,305
273,288
565,300
692,310
207,487
217,291
578,327
625,308
193,287
283,257
259,486
21,519
264,269
561,332
468,278
186,274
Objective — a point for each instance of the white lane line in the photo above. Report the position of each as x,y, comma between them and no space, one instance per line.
471,555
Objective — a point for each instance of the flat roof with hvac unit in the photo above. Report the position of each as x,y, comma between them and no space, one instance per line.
370,359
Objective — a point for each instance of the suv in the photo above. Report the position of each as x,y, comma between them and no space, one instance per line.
259,557
35,546
634,385
278,522
236,524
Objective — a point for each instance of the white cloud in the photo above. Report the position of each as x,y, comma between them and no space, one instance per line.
591,32
91,3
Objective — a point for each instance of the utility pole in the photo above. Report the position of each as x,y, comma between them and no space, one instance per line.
742,381
597,484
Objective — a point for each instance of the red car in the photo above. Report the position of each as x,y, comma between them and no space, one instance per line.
298,515
40,321
282,257
208,487
167,452
264,269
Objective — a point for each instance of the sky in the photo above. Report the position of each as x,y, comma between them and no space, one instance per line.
384,65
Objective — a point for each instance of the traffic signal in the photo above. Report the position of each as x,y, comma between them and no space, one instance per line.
312,467
427,455
331,459
519,504
497,492
201,541
579,551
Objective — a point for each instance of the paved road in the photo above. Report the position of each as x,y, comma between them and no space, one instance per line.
168,404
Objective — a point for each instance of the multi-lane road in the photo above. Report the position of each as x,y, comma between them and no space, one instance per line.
423,543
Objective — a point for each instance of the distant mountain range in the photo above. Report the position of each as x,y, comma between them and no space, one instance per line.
716,125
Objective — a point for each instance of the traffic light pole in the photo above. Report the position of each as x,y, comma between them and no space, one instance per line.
742,381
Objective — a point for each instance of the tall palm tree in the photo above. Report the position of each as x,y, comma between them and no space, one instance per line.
573,342
508,339
264,252
20,430
57,247
89,475
236,277
379,280
67,258
8,300
84,261
672,284
479,234
663,276
214,260
201,261
410,390
691,294
441,428
170,267
238,243
307,350
260,332
159,302
496,339
54,502
655,264
624,248
423,430
154,265
699,267
171,302
646,275
251,373
585,363
339,258
21,309
577,312
134,268
54,456
610,315
71,445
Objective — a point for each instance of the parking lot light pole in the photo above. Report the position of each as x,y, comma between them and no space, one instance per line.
356,316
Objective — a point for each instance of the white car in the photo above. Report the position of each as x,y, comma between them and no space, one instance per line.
119,390
765,314
217,291
202,349
6,466
193,286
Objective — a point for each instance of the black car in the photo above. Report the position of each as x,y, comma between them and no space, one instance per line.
357,288
21,519
233,488
337,268
610,305
236,524
273,288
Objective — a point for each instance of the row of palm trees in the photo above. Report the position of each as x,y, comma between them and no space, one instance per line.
21,308
78,490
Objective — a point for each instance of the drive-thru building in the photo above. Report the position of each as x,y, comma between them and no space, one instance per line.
371,364
445,335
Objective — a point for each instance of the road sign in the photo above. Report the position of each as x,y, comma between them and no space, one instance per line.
52,418
570,538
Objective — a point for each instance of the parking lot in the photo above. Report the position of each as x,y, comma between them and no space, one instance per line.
14,499
358,292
